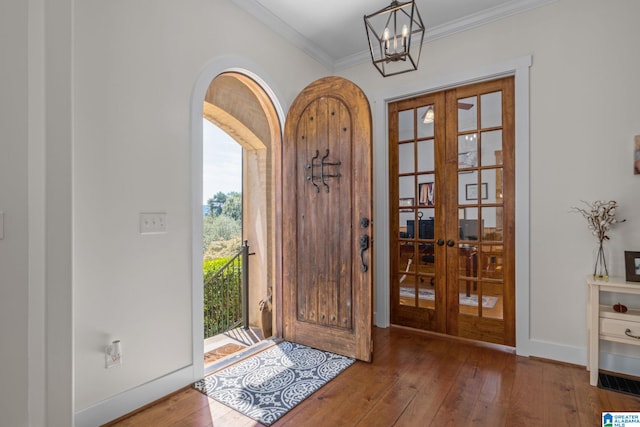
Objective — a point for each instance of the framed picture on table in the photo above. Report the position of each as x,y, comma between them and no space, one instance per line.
632,266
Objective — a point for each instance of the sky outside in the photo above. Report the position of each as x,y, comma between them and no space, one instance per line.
222,162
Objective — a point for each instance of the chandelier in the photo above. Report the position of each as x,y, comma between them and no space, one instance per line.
395,36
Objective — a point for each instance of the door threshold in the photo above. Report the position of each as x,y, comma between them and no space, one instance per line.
495,346
241,355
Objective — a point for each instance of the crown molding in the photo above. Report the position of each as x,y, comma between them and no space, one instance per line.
483,17
468,22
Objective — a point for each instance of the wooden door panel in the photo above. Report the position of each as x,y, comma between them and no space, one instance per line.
323,281
327,297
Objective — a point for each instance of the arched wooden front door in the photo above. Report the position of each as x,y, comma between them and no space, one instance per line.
327,208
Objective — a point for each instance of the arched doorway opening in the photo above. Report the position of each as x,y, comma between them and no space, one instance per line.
237,104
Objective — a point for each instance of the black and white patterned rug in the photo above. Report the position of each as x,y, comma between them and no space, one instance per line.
268,384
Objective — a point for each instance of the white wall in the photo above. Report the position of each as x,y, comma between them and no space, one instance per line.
583,116
135,67
13,202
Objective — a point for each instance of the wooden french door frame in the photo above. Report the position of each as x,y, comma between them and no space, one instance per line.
452,321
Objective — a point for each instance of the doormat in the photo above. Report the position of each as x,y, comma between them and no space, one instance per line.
267,385
619,384
429,294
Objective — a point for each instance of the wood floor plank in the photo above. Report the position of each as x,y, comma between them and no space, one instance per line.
559,398
416,370
218,415
466,389
525,403
441,379
168,411
364,386
591,401
492,406
418,379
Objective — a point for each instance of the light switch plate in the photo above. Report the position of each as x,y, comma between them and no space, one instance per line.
153,222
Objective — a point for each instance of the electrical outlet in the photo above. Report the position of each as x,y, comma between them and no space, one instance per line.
113,354
153,222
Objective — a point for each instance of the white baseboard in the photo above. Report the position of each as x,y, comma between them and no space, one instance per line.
619,363
554,351
130,400
624,364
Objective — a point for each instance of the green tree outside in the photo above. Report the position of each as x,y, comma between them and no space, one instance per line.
216,203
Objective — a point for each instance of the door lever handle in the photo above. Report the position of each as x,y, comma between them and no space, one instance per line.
364,245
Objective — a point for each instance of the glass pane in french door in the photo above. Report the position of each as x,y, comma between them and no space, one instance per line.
480,206
416,210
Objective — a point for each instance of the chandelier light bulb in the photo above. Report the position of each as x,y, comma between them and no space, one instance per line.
429,115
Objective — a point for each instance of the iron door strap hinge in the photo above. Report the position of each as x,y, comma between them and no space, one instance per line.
313,164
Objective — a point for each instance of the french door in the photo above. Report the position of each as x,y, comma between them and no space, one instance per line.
452,215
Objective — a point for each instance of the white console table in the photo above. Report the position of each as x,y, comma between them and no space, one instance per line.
606,324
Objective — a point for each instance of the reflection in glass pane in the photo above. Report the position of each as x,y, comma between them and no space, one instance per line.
407,290
406,215
488,190
492,300
405,158
426,258
468,213
491,110
468,261
426,157
491,148
466,181
467,151
493,179
426,213
407,269
469,229
491,262
406,264
426,190
468,302
405,125
423,229
425,121
492,224
407,190
426,292
467,114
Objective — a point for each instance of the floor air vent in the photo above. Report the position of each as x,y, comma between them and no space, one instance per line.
619,384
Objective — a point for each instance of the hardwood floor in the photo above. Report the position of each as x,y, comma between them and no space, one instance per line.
420,380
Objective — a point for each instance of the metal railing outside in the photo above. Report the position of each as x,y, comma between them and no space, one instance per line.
225,295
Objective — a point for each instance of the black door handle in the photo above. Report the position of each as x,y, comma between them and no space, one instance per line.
440,242
364,245
451,243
